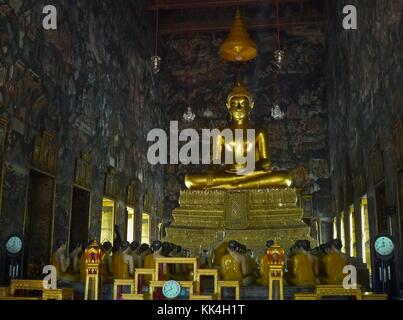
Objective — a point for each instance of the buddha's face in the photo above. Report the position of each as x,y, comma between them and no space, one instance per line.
239,107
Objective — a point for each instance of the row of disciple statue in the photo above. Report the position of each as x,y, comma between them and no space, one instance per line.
303,267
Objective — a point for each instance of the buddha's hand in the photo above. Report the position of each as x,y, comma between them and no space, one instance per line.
263,164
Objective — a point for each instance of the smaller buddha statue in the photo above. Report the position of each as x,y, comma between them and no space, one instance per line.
62,263
76,262
136,255
301,266
125,262
332,263
122,261
82,266
144,250
220,250
106,264
263,280
234,266
75,255
149,261
248,266
204,259
116,256
167,249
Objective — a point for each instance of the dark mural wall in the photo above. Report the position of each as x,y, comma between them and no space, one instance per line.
194,73
90,82
364,97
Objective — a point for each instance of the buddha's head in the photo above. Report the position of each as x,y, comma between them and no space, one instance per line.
239,102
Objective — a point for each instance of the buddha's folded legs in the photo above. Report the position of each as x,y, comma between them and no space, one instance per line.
225,180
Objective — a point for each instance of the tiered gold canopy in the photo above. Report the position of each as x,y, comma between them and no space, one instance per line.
238,47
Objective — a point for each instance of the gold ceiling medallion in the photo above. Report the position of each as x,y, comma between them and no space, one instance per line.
238,47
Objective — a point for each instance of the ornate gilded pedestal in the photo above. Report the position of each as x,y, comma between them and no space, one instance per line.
248,216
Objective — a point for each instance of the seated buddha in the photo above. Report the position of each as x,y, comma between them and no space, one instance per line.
332,263
239,175
122,262
144,251
219,251
264,279
301,266
149,261
107,262
78,265
62,263
249,266
135,253
234,267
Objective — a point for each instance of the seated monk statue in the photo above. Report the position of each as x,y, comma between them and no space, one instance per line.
220,250
203,259
144,251
178,270
116,256
323,249
77,258
106,269
234,266
82,267
332,264
248,266
62,263
241,174
263,280
301,266
149,261
136,255
124,266
75,255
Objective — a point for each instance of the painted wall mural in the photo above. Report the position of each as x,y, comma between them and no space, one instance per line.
89,82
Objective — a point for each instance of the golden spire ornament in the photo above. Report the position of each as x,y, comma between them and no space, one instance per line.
238,47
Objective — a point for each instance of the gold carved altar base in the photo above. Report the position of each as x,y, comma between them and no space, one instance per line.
249,216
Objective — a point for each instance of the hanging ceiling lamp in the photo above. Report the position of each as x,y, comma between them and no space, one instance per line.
238,47
189,116
279,54
156,59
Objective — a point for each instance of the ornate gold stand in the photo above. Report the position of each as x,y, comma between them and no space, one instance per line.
34,285
339,291
276,261
248,216
93,259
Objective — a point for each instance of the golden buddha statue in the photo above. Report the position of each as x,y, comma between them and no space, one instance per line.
238,175
301,266
332,263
